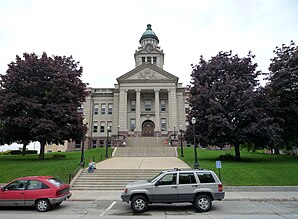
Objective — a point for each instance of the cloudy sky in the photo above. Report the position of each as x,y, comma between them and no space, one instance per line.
103,35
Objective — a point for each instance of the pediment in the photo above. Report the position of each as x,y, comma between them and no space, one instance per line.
147,72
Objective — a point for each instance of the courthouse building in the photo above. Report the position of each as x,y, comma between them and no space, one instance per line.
146,101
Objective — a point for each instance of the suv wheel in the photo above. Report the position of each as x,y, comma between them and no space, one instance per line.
203,203
139,204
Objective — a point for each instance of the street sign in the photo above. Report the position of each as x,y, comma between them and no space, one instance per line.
218,164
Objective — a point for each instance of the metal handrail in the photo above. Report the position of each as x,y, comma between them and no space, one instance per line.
81,165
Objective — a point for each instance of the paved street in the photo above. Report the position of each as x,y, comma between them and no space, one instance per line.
117,209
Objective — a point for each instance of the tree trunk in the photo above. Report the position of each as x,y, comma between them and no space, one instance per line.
41,153
237,152
276,150
24,148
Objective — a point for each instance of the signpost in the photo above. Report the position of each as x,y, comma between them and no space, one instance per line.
218,166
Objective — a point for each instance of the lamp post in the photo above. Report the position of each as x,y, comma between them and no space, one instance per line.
193,121
107,143
174,132
83,143
181,141
118,131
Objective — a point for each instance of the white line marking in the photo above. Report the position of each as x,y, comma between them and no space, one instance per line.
108,208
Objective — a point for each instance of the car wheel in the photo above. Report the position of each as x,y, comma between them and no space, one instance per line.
139,203
42,205
203,203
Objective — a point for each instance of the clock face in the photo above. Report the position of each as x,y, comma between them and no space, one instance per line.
149,48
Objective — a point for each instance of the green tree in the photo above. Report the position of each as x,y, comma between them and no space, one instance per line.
283,86
223,94
39,100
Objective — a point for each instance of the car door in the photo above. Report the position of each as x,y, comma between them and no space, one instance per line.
165,189
13,194
35,190
187,184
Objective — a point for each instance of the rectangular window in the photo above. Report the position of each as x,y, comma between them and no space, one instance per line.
94,142
95,126
102,127
154,60
101,143
147,105
149,59
110,109
110,125
132,124
163,124
133,105
78,145
187,178
96,109
186,110
143,59
205,178
103,109
162,105
81,109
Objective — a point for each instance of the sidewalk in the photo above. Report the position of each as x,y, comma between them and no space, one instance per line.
80,195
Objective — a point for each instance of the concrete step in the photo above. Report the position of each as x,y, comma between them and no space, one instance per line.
145,142
164,151
105,179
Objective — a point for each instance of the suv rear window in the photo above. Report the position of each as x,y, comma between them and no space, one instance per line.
56,182
205,177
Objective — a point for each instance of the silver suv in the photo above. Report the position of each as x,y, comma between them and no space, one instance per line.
200,187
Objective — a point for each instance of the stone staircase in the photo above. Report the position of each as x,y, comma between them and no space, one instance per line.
116,179
145,147
111,179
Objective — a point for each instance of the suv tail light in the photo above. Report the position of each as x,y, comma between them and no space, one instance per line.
220,187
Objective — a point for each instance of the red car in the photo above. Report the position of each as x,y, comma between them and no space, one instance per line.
39,191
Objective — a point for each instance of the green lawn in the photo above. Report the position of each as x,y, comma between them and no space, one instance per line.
255,169
14,166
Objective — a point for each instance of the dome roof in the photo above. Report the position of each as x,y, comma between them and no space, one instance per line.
149,34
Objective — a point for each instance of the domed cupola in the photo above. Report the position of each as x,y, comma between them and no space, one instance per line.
149,34
149,51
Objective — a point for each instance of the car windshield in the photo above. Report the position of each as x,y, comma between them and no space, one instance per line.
56,182
152,179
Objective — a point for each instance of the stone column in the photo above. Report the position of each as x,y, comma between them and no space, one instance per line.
170,122
138,110
123,110
157,110
172,109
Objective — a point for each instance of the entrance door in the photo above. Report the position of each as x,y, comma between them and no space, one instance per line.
148,128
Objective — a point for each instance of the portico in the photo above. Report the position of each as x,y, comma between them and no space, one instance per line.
139,106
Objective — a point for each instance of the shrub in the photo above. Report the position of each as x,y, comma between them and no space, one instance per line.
226,156
15,152
31,152
59,156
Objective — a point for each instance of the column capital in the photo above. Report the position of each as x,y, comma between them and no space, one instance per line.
156,89
138,90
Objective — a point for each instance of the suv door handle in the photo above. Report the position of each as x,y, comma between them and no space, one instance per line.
195,186
174,187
